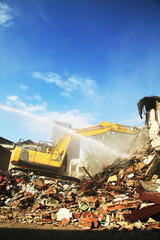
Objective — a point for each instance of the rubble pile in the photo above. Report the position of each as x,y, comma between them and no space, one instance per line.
125,195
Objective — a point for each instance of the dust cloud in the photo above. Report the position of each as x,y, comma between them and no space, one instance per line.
96,152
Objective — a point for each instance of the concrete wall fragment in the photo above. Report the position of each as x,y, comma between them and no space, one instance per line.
151,105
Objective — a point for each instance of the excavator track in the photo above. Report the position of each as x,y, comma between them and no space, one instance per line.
49,174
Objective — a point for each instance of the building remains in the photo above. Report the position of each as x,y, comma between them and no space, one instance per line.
124,195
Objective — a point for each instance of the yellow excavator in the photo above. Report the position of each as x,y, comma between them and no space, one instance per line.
53,159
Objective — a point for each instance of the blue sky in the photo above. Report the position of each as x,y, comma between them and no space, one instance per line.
80,62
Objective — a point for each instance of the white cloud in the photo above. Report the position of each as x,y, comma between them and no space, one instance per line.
49,78
66,95
74,117
6,16
37,97
69,84
12,98
13,101
24,87
32,95
39,121
36,125
41,11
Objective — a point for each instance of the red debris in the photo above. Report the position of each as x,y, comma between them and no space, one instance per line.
143,213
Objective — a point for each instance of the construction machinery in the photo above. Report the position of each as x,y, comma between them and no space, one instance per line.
53,159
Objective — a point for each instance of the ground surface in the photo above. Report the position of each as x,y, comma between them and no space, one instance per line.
29,232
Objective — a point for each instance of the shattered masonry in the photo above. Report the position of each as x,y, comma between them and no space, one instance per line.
124,195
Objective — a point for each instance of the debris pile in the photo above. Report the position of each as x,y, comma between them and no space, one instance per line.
125,195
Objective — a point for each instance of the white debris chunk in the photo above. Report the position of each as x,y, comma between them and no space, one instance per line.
63,213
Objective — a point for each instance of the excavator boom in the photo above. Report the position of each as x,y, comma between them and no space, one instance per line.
104,127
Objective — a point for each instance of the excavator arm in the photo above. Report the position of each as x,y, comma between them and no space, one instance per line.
104,127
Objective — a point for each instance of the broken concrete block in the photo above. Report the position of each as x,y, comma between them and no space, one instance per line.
63,213
112,179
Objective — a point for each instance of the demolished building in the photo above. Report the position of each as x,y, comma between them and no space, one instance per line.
151,107
125,195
